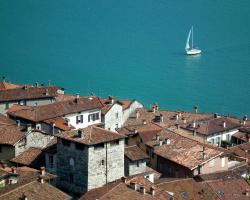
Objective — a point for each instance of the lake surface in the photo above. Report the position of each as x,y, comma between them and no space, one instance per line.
132,49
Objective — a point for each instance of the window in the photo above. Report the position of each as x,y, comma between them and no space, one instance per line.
115,142
51,161
93,117
212,141
211,163
0,149
102,162
116,115
7,105
223,162
116,125
71,162
79,119
99,146
228,137
66,143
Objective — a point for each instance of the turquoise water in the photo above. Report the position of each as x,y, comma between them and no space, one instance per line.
132,49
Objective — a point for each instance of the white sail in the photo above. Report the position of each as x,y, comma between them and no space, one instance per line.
188,38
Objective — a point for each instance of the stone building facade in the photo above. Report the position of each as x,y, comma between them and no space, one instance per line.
90,160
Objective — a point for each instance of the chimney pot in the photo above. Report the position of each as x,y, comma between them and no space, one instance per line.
137,114
161,117
142,189
161,143
47,92
144,121
42,171
134,185
124,179
157,137
152,190
196,109
194,124
224,124
13,170
215,115
40,179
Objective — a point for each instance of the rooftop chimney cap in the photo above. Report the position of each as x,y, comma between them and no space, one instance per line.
42,171
41,179
224,124
245,118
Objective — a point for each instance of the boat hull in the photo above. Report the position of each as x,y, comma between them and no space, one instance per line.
193,52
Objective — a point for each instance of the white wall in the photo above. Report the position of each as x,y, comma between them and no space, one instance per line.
72,118
221,136
111,120
131,109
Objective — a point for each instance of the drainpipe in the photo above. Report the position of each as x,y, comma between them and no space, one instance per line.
106,163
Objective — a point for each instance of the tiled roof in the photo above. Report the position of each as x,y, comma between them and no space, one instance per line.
26,175
181,189
242,150
242,136
183,150
10,134
230,189
57,109
214,125
6,121
65,97
126,103
188,189
169,117
135,153
28,93
29,157
6,86
60,123
146,131
36,191
91,135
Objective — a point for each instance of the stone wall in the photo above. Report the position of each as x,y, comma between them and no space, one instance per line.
111,119
78,171
136,167
113,164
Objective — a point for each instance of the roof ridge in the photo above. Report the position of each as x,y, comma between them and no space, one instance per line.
110,190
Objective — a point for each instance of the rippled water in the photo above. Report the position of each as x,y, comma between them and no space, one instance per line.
132,49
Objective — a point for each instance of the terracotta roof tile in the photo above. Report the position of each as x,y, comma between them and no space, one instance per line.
169,117
135,153
230,189
57,109
60,123
6,86
6,121
183,150
29,157
28,93
10,134
91,135
214,125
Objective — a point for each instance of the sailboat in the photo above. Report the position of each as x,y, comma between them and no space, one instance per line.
191,50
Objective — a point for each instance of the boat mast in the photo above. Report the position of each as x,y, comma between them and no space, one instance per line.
192,36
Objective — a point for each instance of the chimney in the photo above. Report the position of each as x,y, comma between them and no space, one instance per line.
177,116
177,126
144,122
152,190
42,171
28,127
67,120
196,109
203,153
124,179
53,128
244,120
157,137
3,78
18,123
194,124
111,99
80,134
167,141
46,91
184,120
40,179
153,108
23,197
194,132
247,193
224,124
13,170
135,131
137,114
134,185
215,115
161,117
36,84
25,87
161,143
142,189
